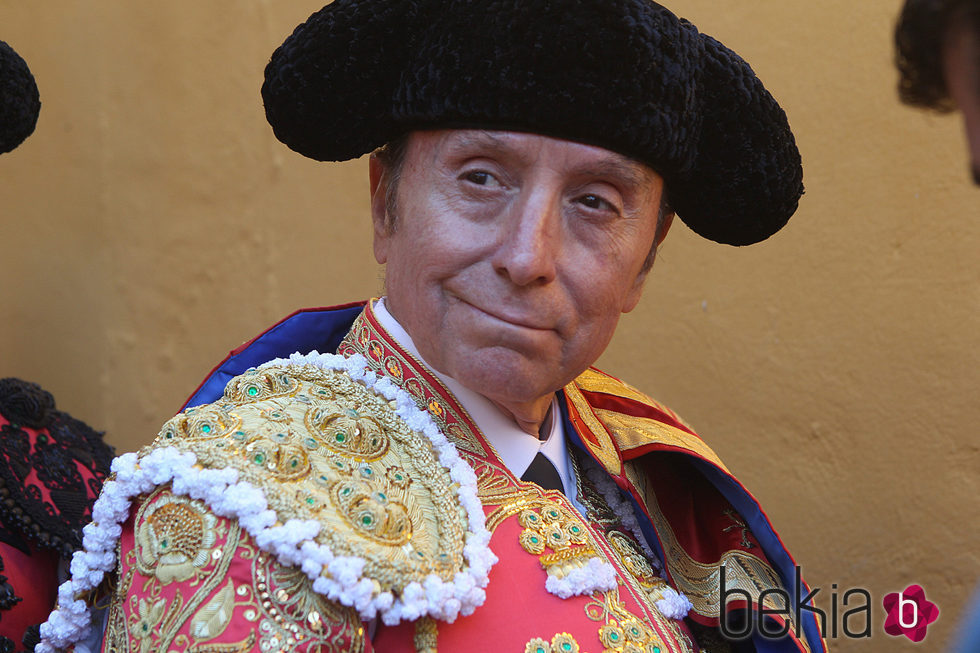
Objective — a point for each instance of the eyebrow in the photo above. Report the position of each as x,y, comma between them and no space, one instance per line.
627,171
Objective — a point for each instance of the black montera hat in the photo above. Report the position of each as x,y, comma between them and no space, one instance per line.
626,75
19,100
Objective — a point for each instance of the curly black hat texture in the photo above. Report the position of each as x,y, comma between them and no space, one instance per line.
19,99
25,403
626,75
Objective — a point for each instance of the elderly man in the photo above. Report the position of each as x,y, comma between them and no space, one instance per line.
938,56
457,477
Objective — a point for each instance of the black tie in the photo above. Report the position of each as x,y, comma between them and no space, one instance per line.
542,471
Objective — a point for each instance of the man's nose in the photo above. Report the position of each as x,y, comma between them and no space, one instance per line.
530,240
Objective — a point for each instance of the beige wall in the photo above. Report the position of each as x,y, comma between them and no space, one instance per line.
153,222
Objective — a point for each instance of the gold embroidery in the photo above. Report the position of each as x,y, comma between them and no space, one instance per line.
605,451
323,447
175,536
631,432
400,367
426,635
592,380
622,632
238,647
560,643
284,612
212,619
145,621
290,614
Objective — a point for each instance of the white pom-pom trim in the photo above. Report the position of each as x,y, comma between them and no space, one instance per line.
595,575
293,542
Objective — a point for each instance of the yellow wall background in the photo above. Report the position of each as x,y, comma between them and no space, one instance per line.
153,222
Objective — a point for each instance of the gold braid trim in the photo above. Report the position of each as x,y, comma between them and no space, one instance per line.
426,633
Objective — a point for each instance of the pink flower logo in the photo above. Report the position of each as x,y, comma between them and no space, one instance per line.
909,613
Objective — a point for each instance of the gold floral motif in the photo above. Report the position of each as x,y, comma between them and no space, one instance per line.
203,423
560,643
349,434
144,625
548,525
261,385
623,632
369,511
174,536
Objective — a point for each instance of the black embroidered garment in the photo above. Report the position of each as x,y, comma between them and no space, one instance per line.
52,467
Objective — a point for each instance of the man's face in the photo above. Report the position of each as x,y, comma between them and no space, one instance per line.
961,68
513,255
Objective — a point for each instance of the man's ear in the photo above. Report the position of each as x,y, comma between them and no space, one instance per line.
668,220
379,208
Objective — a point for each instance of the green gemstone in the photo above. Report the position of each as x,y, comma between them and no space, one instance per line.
539,650
557,536
534,540
614,637
42,438
575,529
259,458
252,391
164,543
341,436
656,649
206,428
169,435
566,647
382,497
366,520
345,491
310,500
294,463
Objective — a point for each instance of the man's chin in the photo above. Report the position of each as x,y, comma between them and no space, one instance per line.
506,376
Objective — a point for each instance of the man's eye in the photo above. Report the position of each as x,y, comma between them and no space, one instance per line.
593,201
480,178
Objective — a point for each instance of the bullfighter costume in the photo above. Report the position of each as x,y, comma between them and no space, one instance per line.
355,500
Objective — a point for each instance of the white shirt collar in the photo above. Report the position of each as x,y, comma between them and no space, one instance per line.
515,447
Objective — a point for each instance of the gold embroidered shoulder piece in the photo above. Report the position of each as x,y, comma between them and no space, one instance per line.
322,446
